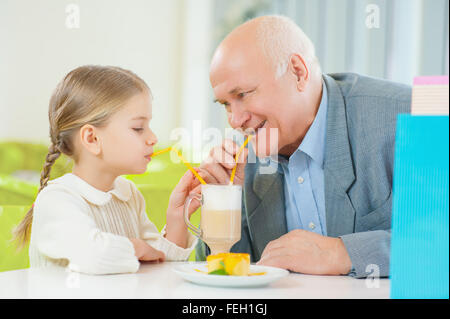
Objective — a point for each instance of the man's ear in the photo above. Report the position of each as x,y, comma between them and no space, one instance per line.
89,139
299,70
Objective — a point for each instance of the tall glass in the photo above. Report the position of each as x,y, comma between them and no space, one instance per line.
220,221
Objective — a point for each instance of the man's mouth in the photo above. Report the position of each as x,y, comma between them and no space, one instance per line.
260,126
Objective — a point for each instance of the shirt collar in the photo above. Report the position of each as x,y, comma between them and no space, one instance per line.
313,143
121,189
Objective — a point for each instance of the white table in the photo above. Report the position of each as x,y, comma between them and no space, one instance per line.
159,281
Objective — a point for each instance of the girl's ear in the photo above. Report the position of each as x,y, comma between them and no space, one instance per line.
89,139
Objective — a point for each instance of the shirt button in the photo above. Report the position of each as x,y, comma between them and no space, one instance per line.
300,180
311,225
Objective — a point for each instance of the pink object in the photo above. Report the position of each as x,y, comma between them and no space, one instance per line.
431,80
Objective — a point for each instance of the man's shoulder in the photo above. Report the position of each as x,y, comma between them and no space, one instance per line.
356,86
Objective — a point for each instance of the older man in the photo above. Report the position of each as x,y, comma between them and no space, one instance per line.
326,209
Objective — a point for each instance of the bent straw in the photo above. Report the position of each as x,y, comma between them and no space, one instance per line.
162,151
182,159
233,172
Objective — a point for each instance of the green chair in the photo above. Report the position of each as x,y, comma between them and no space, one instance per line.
10,258
22,156
16,192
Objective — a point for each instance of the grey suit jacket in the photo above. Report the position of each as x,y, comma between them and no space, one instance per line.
358,167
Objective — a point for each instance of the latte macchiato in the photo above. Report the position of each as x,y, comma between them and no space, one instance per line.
220,224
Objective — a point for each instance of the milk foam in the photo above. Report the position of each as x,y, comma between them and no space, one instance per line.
222,197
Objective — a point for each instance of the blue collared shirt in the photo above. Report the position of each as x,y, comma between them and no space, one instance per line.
304,179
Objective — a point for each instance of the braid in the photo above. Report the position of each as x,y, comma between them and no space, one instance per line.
21,233
52,156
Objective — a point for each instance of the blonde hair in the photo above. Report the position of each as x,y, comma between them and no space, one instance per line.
280,37
89,94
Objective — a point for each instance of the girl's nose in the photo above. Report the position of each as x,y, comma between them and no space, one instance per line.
152,139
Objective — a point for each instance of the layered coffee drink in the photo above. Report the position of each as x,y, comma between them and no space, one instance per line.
221,217
221,229
220,223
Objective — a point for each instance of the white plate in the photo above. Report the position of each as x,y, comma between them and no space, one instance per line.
189,273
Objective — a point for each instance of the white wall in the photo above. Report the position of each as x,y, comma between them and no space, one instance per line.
146,36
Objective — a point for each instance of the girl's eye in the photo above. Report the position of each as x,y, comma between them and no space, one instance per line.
138,129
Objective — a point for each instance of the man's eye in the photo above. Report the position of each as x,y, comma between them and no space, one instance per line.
243,94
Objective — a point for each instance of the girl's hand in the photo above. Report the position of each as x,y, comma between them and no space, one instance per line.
176,229
188,184
145,252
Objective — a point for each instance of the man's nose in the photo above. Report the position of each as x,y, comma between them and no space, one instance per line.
238,118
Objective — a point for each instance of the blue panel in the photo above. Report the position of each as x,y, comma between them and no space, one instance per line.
419,264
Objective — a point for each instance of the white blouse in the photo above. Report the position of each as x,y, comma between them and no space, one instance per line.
87,230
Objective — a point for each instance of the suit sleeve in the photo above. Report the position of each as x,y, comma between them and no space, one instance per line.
369,252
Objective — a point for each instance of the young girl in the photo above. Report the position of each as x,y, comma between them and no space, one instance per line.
93,220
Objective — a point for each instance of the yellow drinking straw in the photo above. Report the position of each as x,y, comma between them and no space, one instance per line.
233,172
162,151
182,159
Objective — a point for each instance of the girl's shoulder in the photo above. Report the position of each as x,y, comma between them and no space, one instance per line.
59,188
70,185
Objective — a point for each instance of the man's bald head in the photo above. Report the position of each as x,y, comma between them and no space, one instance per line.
274,37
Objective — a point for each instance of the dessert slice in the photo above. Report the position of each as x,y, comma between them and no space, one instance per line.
233,264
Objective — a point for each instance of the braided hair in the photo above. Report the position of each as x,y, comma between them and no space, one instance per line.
23,230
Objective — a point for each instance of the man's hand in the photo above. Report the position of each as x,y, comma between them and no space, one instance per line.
217,167
307,252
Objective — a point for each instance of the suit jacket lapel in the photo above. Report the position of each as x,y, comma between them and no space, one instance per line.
265,211
338,165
